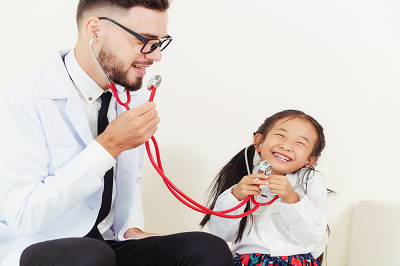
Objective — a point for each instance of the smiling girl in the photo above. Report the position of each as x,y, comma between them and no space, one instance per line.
292,230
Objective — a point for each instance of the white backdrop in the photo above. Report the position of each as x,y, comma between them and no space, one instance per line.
232,64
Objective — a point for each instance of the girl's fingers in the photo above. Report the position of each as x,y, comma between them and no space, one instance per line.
275,186
252,184
255,180
251,191
251,188
259,182
260,176
256,176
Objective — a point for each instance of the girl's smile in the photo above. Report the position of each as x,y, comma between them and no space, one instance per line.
281,157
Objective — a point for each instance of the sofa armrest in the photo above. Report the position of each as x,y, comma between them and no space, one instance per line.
375,233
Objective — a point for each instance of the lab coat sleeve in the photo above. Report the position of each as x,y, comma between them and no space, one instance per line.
31,198
225,228
306,219
98,158
136,217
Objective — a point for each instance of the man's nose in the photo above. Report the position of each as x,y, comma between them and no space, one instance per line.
155,55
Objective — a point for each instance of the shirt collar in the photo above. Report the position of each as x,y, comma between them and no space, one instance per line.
84,84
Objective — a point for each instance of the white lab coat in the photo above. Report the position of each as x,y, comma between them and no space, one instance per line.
48,191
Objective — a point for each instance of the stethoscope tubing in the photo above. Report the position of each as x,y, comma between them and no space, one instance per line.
182,196
190,202
158,166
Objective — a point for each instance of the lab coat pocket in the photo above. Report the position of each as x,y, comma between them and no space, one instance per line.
58,157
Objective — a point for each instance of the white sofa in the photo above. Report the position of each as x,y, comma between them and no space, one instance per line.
375,234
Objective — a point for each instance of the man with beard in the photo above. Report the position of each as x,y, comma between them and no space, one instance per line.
69,192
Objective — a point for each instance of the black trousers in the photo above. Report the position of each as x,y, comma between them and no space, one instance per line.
189,249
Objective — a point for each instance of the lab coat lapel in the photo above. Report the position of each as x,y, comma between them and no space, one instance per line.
56,84
76,114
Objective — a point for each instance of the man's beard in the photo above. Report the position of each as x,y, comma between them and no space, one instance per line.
114,70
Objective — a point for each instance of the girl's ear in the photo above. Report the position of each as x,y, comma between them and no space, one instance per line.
258,138
311,161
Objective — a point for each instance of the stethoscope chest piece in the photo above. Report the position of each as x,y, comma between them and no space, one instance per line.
264,168
154,81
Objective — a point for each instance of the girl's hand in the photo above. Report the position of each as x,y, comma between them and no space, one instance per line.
280,185
249,186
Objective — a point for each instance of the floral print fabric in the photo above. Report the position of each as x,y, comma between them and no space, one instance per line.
257,259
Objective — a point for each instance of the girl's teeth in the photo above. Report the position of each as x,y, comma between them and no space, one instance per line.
281,157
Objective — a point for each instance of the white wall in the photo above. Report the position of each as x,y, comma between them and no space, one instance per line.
232,64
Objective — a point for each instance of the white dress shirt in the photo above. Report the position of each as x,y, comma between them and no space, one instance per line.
279,229
98,157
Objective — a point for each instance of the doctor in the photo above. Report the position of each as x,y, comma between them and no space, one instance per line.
69,191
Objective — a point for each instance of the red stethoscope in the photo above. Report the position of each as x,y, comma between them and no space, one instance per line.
182,197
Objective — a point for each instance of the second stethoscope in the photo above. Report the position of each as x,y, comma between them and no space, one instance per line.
264,166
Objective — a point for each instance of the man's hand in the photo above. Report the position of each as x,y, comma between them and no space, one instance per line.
280,185
249,185
137,233
130,129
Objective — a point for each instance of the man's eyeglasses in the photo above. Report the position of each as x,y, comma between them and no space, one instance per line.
149,45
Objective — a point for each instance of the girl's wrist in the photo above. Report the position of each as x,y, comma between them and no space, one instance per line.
236,196
293,199
234,193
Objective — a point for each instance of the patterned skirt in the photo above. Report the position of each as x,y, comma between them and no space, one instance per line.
257,259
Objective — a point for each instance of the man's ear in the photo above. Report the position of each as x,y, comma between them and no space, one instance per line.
311,161
91,27
258,138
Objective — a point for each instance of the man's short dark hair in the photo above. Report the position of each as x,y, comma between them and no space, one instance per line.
123,5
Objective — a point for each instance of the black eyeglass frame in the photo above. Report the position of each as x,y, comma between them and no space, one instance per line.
143,39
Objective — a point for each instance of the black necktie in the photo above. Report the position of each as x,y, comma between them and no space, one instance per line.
108,177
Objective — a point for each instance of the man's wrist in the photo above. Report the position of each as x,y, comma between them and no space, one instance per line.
107,144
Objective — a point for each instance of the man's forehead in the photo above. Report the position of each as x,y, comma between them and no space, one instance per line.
146,21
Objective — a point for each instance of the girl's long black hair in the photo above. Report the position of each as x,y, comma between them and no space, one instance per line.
236,169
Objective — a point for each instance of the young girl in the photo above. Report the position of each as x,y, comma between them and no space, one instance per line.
292,230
